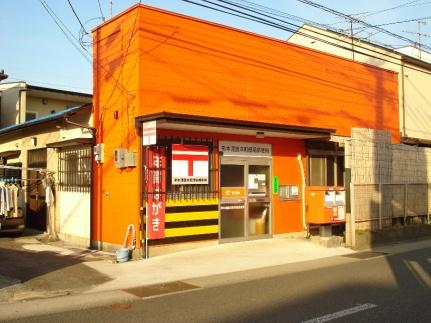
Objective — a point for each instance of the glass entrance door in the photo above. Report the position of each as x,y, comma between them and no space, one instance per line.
258,199
245,204
233,200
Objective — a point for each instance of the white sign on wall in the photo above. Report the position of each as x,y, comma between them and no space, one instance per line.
249,149
149,133
189,164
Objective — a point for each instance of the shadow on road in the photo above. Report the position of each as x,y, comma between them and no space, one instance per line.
40,267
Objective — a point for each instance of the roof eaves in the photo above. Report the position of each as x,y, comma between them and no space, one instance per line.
50,117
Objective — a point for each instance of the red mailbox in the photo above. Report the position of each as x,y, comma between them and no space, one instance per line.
325,204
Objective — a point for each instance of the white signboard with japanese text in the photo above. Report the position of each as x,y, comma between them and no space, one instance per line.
149,133
189,164
247,149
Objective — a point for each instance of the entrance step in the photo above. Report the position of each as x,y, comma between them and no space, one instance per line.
328,242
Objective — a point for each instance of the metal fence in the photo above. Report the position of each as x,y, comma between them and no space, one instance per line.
189,192
74,169
380,206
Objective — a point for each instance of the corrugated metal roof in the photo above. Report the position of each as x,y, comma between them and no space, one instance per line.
46,118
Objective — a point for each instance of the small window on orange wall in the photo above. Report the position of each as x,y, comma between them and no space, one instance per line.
325,164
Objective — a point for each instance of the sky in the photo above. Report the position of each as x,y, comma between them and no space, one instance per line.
34,49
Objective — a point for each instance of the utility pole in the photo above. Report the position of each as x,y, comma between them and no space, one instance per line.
350,20
110,7
420,35
351,36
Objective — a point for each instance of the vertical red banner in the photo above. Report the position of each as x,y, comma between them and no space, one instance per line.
156,192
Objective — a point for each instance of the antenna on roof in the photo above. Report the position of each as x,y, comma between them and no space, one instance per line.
110,7
419,34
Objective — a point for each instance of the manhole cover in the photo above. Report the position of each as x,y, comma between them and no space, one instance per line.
365,254
160,289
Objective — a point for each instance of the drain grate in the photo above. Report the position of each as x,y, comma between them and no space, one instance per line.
160,289
365,254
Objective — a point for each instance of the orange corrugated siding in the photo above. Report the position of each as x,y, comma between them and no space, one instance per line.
147,61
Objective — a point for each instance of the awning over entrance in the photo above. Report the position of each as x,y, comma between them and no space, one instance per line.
218,125
10,153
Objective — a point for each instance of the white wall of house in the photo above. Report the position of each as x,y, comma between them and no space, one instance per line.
18,98
11,104
43,106
69,218
73,216
413,79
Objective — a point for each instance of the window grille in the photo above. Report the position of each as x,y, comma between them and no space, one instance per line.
191,191
74,169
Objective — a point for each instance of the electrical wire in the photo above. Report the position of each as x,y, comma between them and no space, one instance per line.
317,38
397,22
356,20
82,50
251,5
69,35
101,12
53,84
403,5
371,13
235,3
76,15
134,29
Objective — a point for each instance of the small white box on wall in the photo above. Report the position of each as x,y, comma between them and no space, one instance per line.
124,158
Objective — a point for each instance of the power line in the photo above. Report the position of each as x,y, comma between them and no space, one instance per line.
318,38
52,84
371,13
101,12
79,20
353,19
69,35
403,5
398,22
251,5
261,20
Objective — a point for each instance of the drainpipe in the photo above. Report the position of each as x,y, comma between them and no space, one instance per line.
403,102
301,167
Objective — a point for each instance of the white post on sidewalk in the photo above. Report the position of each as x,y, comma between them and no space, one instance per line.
428,203
352,216
380,205
405,204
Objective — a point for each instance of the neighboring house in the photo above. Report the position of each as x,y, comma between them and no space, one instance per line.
415,52
21,102
229,129
60,144
414,75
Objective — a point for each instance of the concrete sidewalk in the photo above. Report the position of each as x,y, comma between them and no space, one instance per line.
204,267
210,260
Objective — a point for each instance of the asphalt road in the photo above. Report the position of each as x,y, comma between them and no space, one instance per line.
392,288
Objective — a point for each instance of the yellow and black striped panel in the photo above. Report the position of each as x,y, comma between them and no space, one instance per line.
191,220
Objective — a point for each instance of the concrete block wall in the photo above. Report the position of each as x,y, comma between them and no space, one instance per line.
403,172
370,156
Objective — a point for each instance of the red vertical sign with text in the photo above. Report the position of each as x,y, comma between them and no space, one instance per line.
156,192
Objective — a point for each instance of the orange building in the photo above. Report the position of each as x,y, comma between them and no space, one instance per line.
210,132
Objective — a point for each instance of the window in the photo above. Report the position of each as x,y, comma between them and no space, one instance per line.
74,169
30,115
325,164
